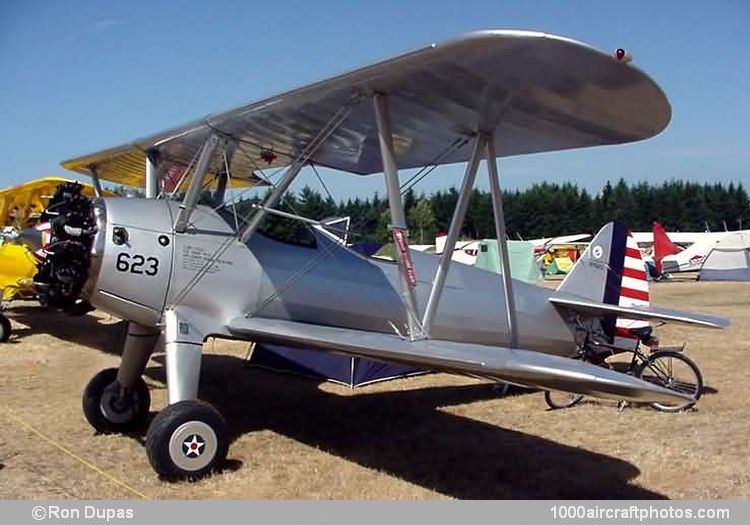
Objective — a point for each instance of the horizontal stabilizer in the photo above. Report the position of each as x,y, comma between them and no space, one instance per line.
644,313
520,367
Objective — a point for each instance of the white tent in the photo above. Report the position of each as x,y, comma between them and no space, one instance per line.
729,260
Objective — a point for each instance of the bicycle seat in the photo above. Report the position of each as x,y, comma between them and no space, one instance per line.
643,333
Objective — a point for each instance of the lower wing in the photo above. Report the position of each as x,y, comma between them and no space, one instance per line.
522,367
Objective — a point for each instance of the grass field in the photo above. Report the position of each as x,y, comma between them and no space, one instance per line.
434,436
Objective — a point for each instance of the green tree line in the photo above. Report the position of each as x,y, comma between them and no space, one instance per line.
542,210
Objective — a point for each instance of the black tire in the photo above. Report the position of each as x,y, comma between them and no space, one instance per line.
659,369
79,308
107,412
5,329
557,400
181,434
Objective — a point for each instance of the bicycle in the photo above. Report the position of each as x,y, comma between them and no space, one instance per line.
668,368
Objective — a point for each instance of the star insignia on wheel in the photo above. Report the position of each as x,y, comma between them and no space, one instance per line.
193,446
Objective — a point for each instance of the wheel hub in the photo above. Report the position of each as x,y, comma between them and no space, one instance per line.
193,445
116,407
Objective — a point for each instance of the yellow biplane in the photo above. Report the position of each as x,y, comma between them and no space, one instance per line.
21,209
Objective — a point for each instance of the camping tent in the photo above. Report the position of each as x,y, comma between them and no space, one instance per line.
523,265
342,369
729,260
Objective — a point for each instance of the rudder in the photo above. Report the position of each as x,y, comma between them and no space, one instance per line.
611,271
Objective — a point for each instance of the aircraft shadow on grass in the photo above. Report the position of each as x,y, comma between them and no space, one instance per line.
402,433
405,434
85,330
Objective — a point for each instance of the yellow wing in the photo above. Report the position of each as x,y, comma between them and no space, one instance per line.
21,205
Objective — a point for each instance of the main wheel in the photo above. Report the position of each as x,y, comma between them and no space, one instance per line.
109,408
5,329
556,400
187,440
674,371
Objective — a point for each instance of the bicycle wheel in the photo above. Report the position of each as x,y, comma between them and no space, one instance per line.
556,400
676,372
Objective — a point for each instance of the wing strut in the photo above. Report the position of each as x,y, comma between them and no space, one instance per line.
457,222
153,174
260,214
486,142
196,184
502,244
398,218
294,169
96,182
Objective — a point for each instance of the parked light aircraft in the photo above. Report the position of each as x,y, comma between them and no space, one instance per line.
645,239
672,259
542,245
466,252
25,233
184,272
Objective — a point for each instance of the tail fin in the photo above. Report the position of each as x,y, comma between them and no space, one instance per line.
663,246
611,271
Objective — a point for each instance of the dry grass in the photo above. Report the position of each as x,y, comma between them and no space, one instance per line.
434,436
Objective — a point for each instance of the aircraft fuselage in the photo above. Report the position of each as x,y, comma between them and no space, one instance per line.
142,267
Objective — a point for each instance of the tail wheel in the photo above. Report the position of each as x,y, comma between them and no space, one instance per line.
556,400
110,408
676,372
187,440
5,329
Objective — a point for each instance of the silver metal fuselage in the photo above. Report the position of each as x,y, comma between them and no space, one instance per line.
155,269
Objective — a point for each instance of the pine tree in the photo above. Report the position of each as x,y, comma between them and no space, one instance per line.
422,221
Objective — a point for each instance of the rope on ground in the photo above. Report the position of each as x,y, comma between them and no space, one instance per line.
26,426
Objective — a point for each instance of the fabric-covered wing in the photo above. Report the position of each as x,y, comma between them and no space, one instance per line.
126,165
644,313
537,92
521,367
44,186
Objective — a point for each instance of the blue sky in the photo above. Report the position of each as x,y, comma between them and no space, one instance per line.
81,76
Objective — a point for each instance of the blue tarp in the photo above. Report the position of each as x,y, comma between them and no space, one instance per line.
368,249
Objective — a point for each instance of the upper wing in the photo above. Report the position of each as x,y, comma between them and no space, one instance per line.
521,367
45,186
568,239
26,201
644,313
126,165
538,92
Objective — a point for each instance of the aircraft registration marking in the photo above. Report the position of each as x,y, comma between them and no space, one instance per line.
137,264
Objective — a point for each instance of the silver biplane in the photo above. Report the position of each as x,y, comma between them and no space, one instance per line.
181,272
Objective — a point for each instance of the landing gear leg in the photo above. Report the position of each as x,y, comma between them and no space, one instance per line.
188,439
118,400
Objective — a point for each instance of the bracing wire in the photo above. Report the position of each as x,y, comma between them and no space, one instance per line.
309,150
320,179
434,163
